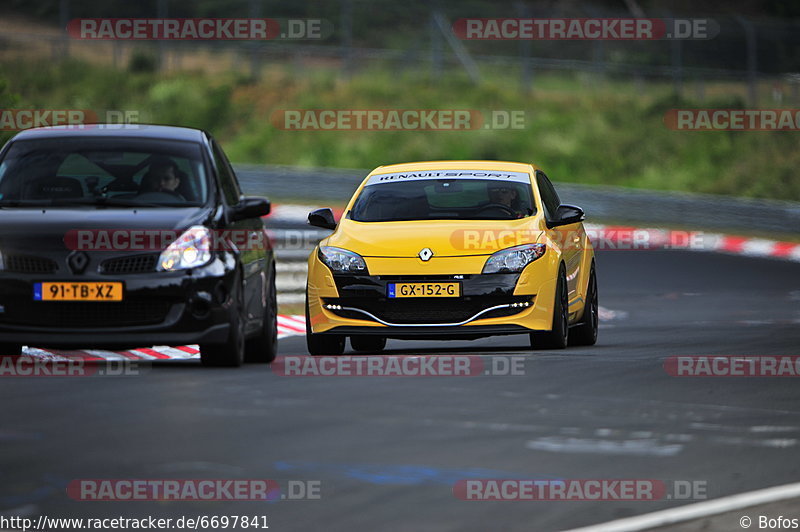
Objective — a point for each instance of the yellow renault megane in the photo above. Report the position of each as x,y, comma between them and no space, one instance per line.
451,250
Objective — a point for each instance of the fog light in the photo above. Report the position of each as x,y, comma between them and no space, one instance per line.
200,305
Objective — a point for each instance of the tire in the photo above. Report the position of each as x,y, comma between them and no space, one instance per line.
558,336
264,347
368,344
320,345
586,332
229,354
10,350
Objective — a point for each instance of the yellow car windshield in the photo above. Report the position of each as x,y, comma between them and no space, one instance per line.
443,199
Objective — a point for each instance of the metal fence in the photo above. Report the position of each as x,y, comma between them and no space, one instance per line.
762,54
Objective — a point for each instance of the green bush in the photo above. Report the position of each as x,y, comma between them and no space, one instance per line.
8,100
578,128
143,61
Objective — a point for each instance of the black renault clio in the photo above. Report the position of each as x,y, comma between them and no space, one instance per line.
114,237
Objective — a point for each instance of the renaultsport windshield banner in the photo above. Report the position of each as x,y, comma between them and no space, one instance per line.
519,177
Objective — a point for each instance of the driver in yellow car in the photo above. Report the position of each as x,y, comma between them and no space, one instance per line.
506,196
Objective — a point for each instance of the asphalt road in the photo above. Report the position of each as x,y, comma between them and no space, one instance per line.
387,451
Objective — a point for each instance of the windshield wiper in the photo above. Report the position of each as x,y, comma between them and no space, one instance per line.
98,202
92,202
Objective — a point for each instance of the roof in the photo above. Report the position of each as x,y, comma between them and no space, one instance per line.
507,166
143,131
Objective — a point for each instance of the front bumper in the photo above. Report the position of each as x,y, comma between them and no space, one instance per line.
158,308
490,304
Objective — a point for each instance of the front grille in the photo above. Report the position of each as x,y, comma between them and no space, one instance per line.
29,264
86,315
426,310
443,278
131,264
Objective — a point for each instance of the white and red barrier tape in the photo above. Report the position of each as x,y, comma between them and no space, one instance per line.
633,238
288,325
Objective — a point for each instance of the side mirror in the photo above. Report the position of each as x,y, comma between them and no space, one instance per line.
251,207
322,218
565,215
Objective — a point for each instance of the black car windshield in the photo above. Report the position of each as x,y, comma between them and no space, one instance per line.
444,199
91,172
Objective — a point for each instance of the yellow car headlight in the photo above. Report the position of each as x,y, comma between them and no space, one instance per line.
341,260
513,260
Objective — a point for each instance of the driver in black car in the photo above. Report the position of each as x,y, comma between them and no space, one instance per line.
507,196
162,176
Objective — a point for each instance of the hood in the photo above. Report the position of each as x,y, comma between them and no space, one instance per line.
445,238
32,230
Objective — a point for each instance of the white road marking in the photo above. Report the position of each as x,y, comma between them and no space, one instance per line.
607,314
648,447
697,510
773,443
773,428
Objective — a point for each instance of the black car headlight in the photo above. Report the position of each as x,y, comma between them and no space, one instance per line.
190,250
513,260
341,260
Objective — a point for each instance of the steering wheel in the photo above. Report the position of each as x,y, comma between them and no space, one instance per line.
156,196
500,206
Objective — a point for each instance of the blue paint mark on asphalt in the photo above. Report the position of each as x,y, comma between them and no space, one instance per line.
52,486
403,475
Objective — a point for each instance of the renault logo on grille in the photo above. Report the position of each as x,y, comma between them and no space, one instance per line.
77,261
425,254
